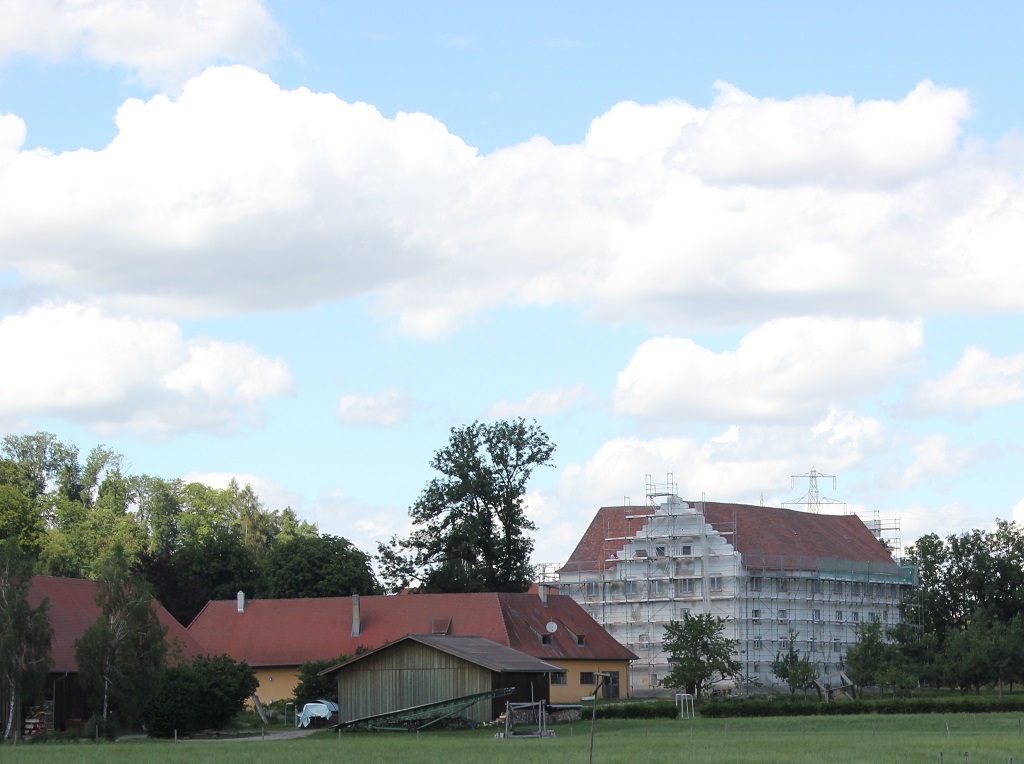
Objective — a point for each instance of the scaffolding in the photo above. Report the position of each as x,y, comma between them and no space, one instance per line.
665,559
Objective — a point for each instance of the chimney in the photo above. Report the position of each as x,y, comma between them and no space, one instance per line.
357,625
241,601
542,589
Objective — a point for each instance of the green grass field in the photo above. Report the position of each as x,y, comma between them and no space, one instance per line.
986,738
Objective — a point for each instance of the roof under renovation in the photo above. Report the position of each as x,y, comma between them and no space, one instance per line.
769,537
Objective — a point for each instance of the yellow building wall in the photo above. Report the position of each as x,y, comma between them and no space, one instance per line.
572,690
276,682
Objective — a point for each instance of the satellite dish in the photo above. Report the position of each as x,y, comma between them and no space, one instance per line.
552,627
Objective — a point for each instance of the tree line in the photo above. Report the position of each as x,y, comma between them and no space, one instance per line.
193,543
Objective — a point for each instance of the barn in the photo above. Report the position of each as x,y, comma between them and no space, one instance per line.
422,669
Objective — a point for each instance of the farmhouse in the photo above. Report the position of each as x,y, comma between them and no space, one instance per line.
276,636
72,610
773,574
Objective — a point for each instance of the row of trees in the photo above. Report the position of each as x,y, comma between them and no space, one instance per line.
193,543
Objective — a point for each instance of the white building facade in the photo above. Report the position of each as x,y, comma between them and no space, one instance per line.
773,574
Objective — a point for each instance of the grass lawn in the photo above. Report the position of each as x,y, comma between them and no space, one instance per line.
985,737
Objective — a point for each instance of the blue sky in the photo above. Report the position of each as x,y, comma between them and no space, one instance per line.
297,242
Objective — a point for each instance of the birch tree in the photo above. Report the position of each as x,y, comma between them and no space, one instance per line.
25,633
120,657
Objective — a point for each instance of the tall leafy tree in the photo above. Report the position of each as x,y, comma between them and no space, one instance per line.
472,533
316,566
700,653
121,655
797,672
25,633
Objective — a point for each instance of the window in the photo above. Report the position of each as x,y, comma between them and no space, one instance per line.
755,616
640,552
758,643
816,586
684,612
855,615
686,586
545,639
591,588
783,584
654,680
857,591
645,639
581,640
686,550
812,645
885,616
874,617
586,677
837,587
558,678
630,587
816,616
715,583
755,583
657,586
784,643
837,645
757,668
783,616
659,551
839,616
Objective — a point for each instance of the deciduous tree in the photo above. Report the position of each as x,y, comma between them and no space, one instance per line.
25,633
700,653
797,672
472,533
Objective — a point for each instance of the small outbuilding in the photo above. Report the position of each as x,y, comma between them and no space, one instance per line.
422,669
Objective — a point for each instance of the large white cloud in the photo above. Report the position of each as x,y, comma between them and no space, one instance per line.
162,42
120,373
786,370
239,196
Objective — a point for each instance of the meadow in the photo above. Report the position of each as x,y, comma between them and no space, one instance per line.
978,738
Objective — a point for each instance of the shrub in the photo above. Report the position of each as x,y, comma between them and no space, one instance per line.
206,693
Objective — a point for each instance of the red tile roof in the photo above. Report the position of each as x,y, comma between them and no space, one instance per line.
291,632
73,609
768,537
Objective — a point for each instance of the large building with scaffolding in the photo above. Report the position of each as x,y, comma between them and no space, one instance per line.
773,574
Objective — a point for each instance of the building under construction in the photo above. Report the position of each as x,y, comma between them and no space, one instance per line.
773,574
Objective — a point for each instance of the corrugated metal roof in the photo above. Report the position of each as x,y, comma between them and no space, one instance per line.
73,609
476,650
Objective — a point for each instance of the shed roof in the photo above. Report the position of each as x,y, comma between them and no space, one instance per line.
477,650
291,632
73,609
764,536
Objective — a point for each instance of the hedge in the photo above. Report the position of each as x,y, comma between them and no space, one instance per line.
720,709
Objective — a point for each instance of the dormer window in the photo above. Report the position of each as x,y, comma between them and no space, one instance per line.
581,640
545,639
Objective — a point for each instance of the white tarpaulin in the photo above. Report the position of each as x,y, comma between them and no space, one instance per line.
323,709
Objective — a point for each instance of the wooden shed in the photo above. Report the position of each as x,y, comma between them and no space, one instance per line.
432,668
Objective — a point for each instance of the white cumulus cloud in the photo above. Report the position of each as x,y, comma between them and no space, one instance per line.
785,370
979,380
284,199
122,373
163,43
935,456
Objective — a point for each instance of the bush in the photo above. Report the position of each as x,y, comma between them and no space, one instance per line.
97,728
206,693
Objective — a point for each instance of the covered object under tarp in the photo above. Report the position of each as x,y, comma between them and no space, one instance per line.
430,668
318,709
